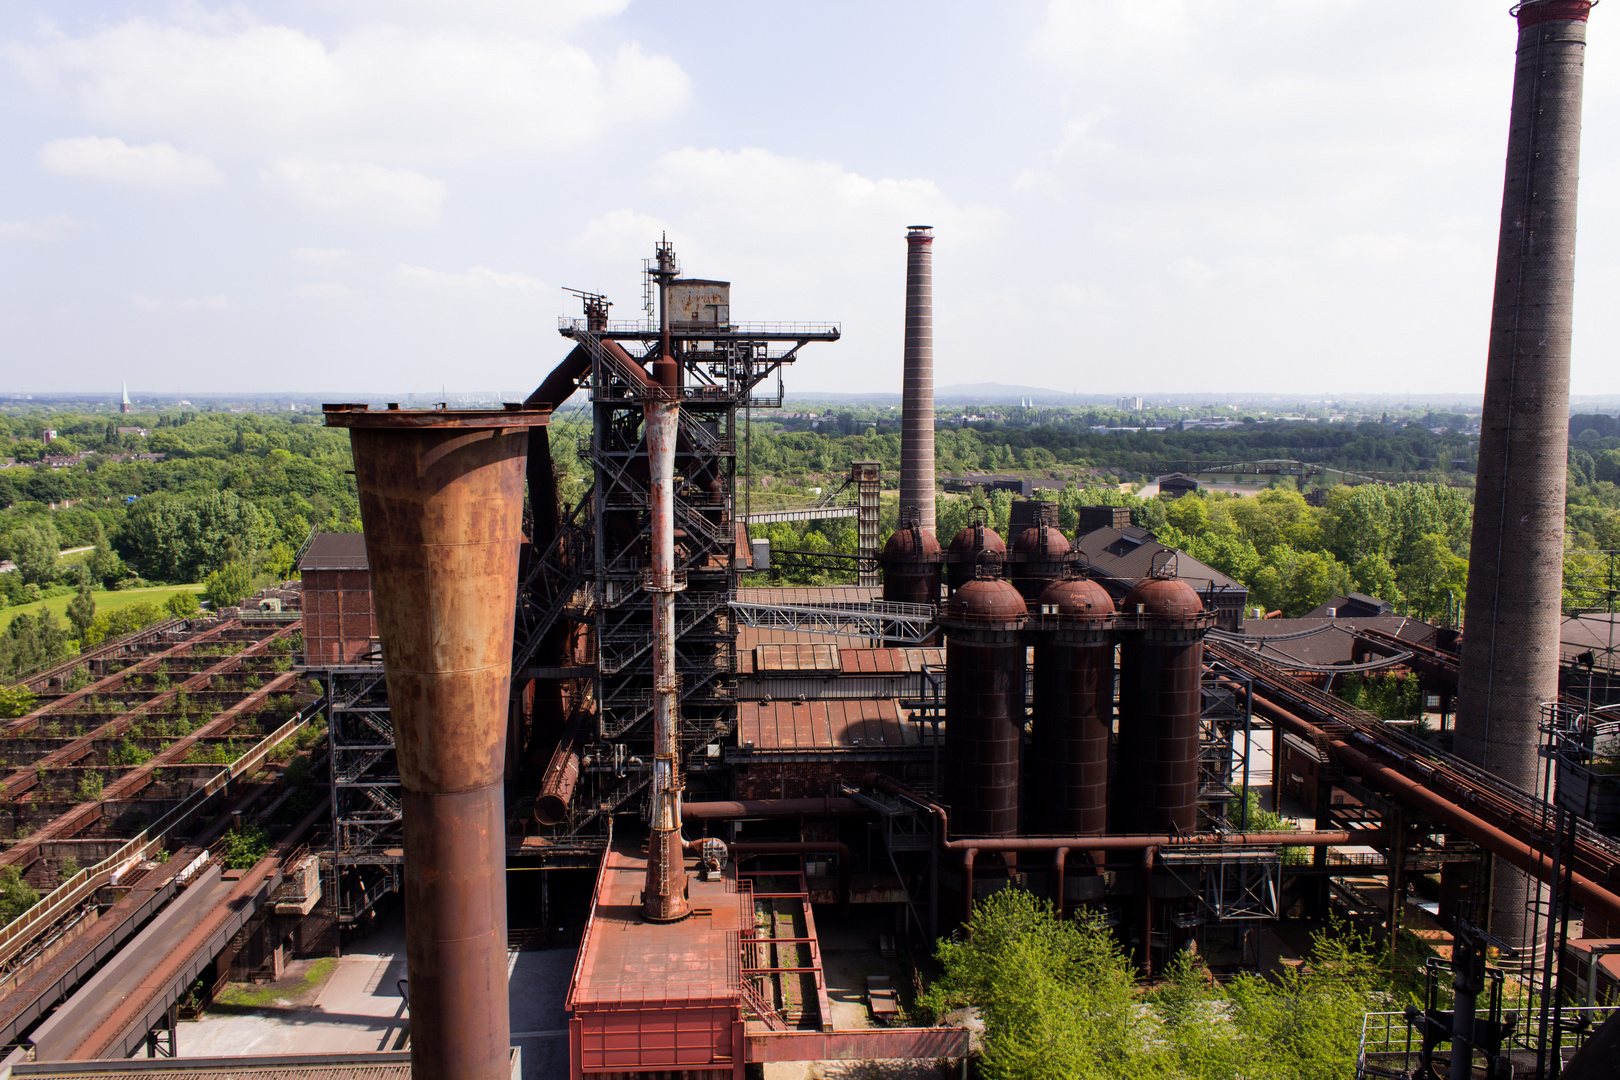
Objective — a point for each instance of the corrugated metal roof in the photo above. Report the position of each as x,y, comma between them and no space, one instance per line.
796,658
392,1065
626,961
827,724
1335,642
335,551
889,661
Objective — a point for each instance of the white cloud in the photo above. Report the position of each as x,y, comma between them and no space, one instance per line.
44,229
361,194
318,256
323,291
388,90
200,303
157,166
479,279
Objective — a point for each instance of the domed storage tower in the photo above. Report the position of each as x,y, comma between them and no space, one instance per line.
1162,623
1074,710
1040,555
911,564
962,559
984,705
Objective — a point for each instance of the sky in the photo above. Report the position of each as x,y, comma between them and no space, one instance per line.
1298,196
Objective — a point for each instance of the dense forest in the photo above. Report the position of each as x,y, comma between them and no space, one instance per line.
221,502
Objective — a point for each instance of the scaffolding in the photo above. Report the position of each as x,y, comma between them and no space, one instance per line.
368,847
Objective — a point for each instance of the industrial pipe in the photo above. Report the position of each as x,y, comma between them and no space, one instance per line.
804,847
441,499
1150,855
1592,896
888,784
826,806
562,772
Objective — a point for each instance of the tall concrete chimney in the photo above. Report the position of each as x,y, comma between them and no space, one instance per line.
917,394
1515,572
441,498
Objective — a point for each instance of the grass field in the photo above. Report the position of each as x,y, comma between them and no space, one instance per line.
105,601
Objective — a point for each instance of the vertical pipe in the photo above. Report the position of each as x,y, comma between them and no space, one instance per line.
441,497
917,391
1148,855
665,897
1515,573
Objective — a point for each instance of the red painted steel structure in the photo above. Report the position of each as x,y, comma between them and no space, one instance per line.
1073,719
962,559
1163,623
441,498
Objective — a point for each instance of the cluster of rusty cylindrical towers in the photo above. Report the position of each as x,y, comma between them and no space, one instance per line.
1074,627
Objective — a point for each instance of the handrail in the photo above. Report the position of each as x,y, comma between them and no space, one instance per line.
71,892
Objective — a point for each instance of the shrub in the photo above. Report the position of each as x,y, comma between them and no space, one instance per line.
90,787
182,605
16,895
244,848
69,867
16,701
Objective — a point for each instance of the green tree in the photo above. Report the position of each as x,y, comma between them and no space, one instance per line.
227,585
245,848
16,701
16,895
1188,514
81,610
34,548
1431,576
182,605
1372,575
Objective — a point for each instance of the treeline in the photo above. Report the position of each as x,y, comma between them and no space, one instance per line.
233,493
1410,450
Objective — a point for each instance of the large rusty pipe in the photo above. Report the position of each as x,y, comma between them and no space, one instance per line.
1592,896
441,498
826,806
1060,866
665,896
804,847
562,772
1341,838
1149,856
888,784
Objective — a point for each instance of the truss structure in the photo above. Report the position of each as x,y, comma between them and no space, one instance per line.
367,841
909,623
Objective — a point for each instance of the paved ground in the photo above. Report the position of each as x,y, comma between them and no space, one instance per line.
354,1004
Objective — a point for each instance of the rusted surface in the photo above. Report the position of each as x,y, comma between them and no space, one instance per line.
984,707
911,566
442,508
830,724
562,773
455,917
358,416
804,847
1598,898
889,661
863,1045
1532,12
963,555
1161,658
665,894
1073,718
726,810
818,658
1039,556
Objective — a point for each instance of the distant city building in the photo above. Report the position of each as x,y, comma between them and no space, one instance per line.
1130,404
123,406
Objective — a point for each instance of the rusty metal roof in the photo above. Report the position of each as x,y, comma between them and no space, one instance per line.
625,962
385,1065
335,551
889,661
796,658
833,724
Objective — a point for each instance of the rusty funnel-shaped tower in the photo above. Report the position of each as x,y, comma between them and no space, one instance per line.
441,498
